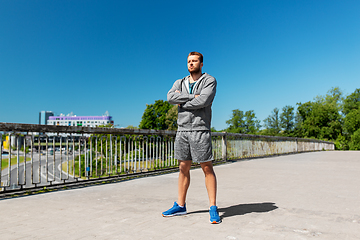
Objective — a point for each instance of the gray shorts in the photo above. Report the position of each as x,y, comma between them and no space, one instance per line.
193,145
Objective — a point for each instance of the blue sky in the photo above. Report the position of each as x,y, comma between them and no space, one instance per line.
88,57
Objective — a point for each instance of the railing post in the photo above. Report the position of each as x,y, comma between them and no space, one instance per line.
224,147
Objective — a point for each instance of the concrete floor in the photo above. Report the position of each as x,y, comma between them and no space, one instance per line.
303,196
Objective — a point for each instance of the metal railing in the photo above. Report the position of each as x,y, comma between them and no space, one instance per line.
43,155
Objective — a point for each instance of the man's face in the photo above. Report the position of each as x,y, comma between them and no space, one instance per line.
193,63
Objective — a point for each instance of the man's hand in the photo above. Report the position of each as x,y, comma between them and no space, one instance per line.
196,96
178,92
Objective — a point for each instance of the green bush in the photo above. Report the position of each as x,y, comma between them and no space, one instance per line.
354,143
341,143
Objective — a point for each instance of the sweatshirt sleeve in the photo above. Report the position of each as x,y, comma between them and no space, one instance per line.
174,97
206,97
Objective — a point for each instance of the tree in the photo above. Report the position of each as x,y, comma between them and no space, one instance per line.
333,97
236,122
351,127
171,118
287,119
272,123
303,111
214,130
354,143
352,121
131,127
252,125
243,123
319,120
154,116
341,143
351,102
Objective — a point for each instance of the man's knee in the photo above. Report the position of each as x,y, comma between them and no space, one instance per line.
207,168
184,166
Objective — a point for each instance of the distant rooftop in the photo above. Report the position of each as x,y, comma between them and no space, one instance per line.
80,117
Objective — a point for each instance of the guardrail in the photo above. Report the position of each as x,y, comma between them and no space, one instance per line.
45,155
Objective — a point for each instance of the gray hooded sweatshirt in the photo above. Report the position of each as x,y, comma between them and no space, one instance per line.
194,113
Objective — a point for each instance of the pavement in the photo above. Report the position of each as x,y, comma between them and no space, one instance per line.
300,196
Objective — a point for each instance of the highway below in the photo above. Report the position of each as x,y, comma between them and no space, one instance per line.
50,170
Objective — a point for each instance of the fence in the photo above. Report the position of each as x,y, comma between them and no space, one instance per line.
36,156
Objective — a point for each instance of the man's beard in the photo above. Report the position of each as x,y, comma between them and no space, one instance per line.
194,70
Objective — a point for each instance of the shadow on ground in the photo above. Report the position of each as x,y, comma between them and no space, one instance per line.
242,209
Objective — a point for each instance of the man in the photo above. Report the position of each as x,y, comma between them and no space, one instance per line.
194,95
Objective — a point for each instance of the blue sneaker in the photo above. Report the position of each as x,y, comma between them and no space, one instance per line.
175,210
214,215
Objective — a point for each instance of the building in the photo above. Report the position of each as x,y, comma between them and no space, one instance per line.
84,121
44,116
13,141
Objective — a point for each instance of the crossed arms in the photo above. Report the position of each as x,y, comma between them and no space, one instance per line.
193,101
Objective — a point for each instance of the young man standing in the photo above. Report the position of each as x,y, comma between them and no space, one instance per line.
194,95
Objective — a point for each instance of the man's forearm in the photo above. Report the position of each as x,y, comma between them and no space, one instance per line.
176,97
203,100
198,102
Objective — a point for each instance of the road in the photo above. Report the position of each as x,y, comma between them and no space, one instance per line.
50,170
53,165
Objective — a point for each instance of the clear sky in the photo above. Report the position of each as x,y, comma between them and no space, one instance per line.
89,56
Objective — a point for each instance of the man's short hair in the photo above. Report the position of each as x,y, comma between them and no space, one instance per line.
197,54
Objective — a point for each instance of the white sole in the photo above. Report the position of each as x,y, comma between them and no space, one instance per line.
175,214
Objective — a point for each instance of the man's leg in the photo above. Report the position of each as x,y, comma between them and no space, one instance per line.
183,185
210,181
183,181
182,151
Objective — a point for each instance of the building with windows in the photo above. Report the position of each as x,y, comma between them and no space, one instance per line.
44,116
84,121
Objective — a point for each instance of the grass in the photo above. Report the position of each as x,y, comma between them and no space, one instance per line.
151,165
5,162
